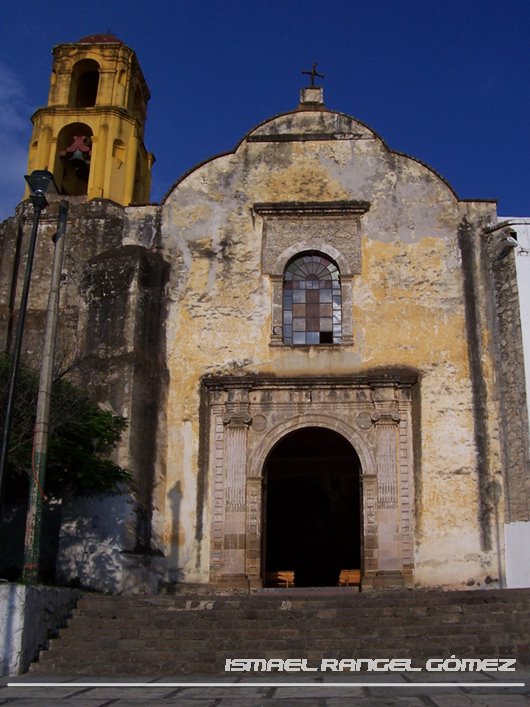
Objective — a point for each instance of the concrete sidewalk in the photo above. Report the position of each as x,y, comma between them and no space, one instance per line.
408,690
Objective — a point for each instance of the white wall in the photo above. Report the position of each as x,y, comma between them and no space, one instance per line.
517,542
517,535
27,614
522,262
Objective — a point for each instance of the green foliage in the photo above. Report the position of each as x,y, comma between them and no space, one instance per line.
81,435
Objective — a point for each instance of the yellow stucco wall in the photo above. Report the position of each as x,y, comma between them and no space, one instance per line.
408,309
120,165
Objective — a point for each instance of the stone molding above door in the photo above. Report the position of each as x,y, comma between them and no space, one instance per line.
248,415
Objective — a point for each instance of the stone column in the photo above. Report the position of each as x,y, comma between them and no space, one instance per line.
386,418
253,550
369,560
236,422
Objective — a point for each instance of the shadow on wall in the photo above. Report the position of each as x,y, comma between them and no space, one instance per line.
12,532
174,569
88,542
96,546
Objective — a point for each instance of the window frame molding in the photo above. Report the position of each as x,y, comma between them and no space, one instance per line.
332,261
331,225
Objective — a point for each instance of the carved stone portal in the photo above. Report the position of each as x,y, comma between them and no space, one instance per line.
249,415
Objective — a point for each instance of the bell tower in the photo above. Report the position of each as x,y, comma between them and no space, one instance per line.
91,133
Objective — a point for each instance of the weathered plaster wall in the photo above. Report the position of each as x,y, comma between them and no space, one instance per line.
110,341
155,299
514,347
410,307
522,266
27,615
509,357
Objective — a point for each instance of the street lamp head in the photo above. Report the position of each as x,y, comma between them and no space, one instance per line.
40,182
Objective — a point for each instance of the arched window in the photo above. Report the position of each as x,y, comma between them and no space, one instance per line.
84,84
312,305
72,164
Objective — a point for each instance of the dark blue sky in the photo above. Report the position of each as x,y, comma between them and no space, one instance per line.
445,81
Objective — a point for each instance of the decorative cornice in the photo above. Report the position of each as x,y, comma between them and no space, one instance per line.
307,137
311,208
402,378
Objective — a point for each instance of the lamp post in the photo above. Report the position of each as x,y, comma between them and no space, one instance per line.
40,182
40,437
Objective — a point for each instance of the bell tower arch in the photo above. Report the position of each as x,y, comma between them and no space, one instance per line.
91,132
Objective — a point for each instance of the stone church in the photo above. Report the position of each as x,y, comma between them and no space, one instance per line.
315,342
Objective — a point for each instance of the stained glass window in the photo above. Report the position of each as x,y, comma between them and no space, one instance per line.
312,308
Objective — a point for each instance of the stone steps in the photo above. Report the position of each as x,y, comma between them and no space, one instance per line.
315,627
181,633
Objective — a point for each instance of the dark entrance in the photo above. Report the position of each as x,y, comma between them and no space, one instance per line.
313,509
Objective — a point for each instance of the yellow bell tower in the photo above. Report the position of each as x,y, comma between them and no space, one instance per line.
91,133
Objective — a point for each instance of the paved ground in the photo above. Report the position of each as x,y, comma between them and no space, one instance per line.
301,691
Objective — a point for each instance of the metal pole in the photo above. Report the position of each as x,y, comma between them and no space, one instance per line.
18,344
40,441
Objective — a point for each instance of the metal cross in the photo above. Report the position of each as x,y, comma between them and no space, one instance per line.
313,73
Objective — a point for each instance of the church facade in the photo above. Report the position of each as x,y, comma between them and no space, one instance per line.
315,341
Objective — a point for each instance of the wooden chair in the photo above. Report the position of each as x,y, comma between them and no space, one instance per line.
281,578
349,578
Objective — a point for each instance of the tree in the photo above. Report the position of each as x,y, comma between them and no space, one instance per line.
81,436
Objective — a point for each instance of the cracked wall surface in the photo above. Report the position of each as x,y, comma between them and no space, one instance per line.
409,307
158,300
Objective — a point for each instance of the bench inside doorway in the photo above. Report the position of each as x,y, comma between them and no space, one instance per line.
285,578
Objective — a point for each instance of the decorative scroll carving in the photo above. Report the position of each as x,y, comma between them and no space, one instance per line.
237,408
387,488
237,419
386,417
236,461
318,232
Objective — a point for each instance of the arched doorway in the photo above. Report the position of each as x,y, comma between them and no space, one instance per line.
312,508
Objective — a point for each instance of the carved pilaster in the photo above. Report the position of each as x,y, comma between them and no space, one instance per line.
236,421
369,482
235,466
386,417
387,482
254,509
218,509
406,493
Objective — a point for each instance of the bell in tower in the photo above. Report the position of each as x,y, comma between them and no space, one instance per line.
91,133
